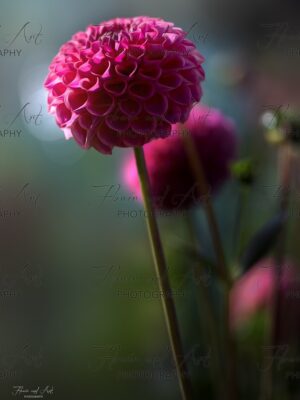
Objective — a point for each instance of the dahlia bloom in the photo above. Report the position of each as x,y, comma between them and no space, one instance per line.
124,82
254,291
172,180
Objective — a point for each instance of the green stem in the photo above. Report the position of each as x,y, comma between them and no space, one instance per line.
239,232
163,279
285,164
203,189
285,169
209,318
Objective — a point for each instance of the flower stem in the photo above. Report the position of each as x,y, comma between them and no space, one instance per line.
208,314
203,188
238,232
163,279
285,171
285,164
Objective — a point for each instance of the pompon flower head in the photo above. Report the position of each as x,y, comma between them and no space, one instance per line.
124,82
253,293
172,180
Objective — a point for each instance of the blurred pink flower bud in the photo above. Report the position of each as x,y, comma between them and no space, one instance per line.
173,182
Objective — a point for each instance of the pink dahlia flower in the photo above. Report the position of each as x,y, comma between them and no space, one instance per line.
254,291
124,82
172,180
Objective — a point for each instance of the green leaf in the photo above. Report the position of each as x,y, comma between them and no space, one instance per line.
263,241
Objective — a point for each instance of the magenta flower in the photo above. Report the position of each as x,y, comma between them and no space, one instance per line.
124,82
172,180
253,292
